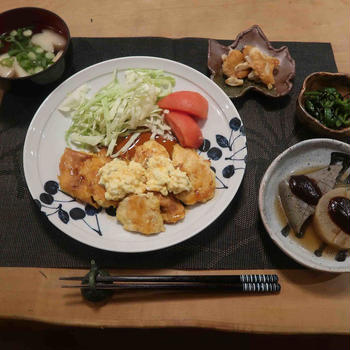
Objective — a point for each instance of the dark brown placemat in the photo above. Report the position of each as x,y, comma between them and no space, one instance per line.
237,240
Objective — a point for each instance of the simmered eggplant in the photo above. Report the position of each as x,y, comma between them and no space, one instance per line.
299,194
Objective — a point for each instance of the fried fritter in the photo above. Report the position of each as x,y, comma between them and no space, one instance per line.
233,58
171,208
234,68
262,65
198,170
141,213
246,50
78,177
149,149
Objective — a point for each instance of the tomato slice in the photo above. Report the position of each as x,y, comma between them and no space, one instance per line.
190,102
185,129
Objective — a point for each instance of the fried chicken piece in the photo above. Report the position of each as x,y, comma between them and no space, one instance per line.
149,149
235,68
70,179
198,170
171,208
246,50
78,177
230,61
141,213
262,65
90,170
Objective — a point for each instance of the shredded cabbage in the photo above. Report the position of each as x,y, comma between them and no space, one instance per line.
118,109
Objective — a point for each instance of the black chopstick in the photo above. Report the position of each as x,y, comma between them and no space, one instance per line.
98,286
251,278
233,287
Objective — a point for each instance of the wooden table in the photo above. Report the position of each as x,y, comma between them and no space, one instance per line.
310,301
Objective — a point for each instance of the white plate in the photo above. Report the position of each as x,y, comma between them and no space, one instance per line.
225,145
306,154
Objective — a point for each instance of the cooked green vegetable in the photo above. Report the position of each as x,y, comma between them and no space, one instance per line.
329,107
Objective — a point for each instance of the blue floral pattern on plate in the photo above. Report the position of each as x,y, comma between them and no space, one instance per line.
236,160
47,205
225,147
51,206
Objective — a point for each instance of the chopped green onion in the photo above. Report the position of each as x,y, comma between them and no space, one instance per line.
32,55
26,64
7,62
38,69
49,55
27,33
43,62
13,52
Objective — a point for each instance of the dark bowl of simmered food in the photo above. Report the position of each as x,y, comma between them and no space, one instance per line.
323,104
34,43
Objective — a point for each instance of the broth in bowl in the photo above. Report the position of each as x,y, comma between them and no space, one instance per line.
28,50
35,47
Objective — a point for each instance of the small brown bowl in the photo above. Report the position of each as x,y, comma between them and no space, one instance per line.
254,36
40,19
317,81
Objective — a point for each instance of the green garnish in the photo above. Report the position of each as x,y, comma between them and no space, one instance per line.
32,58
329,107
7,62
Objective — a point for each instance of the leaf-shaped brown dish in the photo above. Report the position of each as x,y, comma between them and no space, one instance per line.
254,36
